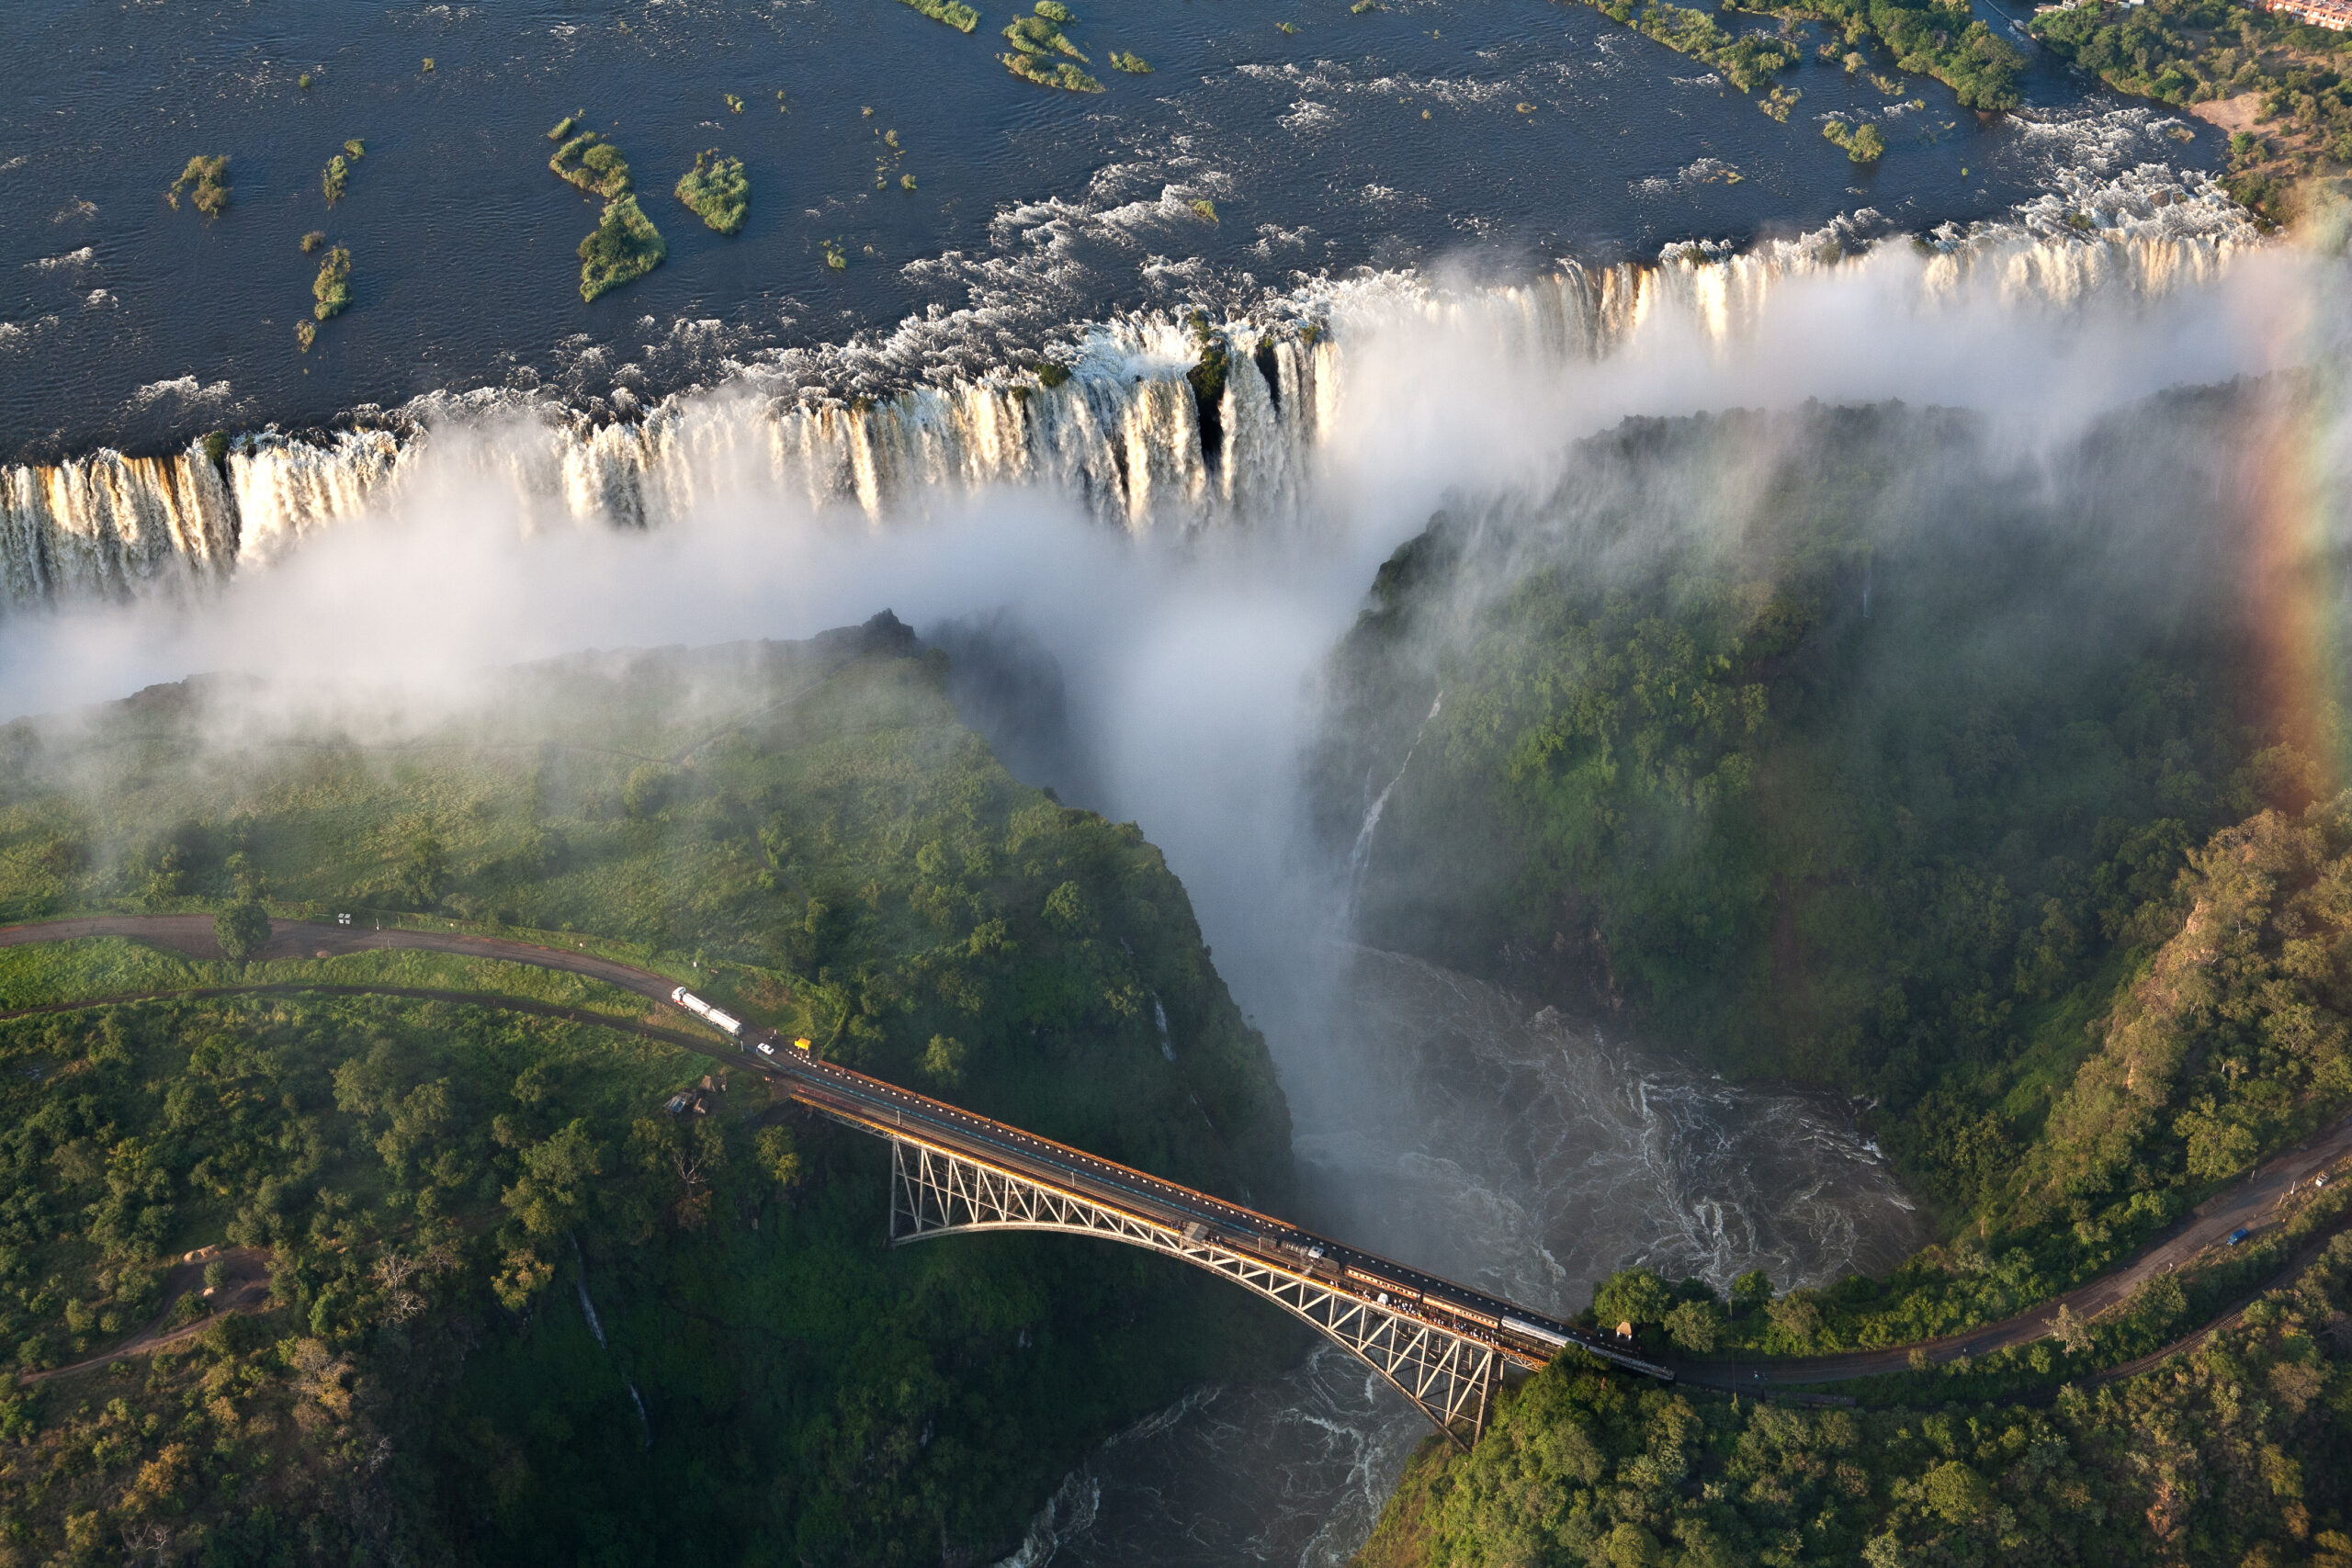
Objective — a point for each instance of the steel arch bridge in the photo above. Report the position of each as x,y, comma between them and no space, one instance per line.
1448,1375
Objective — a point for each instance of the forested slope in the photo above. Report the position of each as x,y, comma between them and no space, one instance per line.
524,1307
1995,788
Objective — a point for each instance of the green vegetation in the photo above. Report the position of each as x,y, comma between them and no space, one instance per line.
734,104
1862,144
592,163
208,176
428,64
1133,64
1050,372
716,191
1932,38
626,247
2229,1455
331,288
1747,60
1813,832
2284,83
242,930
306,332
336,179
1202,206
1038,35
564,128
954,12
303,81
354,148
1362,6
314,240
429,1187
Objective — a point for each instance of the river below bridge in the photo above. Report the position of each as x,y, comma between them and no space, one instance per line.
1472,1132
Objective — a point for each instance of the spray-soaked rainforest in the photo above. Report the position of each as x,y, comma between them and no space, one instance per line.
1774,792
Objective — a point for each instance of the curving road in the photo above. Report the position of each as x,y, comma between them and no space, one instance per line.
1527,1338
882,1108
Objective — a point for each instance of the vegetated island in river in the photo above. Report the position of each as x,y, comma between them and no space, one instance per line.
1840,784
591,1294
625,245
716,191
954,12
1035,37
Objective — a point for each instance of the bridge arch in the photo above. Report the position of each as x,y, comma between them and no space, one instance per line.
1449,1376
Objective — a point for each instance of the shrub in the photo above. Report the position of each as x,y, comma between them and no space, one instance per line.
314,240
336,178
1133,64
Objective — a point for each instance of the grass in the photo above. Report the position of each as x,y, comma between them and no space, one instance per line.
206,179
592,163
1133,64
332,285
956,15
716,191
336,179
626,247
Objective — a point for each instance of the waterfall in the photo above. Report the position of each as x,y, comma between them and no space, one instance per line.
1121,435
1359,855
596,1327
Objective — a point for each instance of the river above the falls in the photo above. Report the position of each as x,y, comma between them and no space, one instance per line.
976,219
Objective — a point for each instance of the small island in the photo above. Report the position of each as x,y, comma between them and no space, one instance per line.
624,247
716,191
208,174
1037,36
955,14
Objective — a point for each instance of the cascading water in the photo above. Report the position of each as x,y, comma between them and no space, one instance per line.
596,1327
1359,855
1124,434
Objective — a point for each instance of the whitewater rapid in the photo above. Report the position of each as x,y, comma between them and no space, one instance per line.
1121,430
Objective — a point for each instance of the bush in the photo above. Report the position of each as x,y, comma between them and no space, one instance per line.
336,179
960,17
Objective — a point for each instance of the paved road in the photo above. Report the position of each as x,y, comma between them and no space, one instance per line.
884,1108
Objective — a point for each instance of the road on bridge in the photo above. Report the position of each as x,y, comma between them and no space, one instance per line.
884,1108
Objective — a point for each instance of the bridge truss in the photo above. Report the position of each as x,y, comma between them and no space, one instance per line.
1448,1374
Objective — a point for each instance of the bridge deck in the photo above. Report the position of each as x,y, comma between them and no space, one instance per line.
890,1112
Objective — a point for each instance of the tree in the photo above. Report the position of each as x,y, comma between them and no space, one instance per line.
2068,1330
1751,1290
1632,1295
555,1183
1066,911
1692,1326
943,1060
242,930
